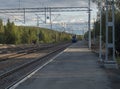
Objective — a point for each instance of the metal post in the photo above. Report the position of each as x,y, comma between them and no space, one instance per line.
89,17
113,16
110,62
24,15
106,57
19,3
94,30
50,19
100,43
45,16
37,20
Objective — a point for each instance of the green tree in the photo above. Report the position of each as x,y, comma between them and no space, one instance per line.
41,36
1,32
24,35
9,33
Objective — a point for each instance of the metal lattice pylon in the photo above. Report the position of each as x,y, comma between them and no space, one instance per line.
110,61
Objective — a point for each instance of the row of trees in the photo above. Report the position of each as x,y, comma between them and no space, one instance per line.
96,30
12,34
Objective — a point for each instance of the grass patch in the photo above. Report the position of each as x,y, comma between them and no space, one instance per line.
118,60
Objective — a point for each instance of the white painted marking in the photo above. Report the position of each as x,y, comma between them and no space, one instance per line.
65,50
30,75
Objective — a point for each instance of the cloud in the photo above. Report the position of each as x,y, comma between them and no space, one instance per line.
50,3
41,3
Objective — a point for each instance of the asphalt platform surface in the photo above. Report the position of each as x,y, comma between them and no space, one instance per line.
75,68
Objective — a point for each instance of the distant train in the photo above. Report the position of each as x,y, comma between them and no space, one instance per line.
74,39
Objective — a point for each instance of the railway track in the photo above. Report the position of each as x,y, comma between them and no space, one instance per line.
23,51
23,70
12,61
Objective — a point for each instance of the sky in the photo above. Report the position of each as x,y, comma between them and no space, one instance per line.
41,3
71,17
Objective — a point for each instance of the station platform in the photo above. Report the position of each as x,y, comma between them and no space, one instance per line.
75,68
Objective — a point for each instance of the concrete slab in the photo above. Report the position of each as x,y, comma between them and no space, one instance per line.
110,65
75,68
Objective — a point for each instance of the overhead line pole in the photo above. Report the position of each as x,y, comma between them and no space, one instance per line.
89,18
100,44
50,18
110,61
45,15
24,15
19,3
45,10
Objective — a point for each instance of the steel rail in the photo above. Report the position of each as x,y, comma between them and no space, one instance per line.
22,53
41,59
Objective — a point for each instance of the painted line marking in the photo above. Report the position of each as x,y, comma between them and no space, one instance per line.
30,75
